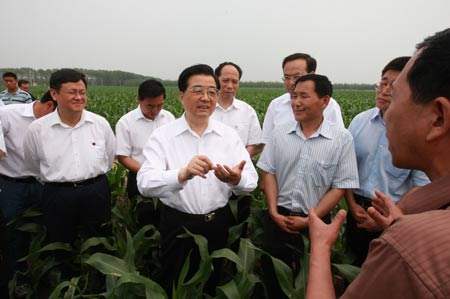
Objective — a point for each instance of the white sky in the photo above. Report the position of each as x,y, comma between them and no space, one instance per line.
352,40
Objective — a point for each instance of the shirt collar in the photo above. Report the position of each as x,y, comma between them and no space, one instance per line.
323,130
376,116
234,105
28,110
183,126
55,119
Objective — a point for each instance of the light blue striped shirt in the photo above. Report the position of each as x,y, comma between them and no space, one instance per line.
375,168
307,168
19,97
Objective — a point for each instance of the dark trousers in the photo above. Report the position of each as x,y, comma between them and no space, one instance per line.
16,196
358,239
66,208
148,210
279,244
174,251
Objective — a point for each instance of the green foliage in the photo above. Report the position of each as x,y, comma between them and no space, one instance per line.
126,265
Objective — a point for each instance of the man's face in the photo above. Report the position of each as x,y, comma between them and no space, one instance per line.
10,83
199,99
405,123
25,86
71,97
293,70
384,90
151,107
229,81
306,104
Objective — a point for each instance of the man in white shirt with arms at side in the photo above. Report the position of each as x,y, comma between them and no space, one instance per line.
71,150
132,132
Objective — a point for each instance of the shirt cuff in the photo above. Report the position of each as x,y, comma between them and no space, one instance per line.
240,186
171,178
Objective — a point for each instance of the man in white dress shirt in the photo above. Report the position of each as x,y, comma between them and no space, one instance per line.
243,118
193,165
280,111
71,150
19,190
236,113
132,132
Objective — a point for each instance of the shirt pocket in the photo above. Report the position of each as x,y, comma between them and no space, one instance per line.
99,149
323,173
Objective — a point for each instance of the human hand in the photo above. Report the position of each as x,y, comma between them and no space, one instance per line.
199,165
370,225
229,175
359,214
322,234
284,223
383,210
297,223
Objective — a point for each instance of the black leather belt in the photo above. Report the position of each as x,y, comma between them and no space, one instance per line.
195,217
28,179
286,212
77,183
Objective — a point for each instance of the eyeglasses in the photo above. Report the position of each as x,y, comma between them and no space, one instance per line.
73,92
287,77
382,85
199,90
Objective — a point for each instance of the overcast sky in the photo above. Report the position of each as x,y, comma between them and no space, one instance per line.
351,40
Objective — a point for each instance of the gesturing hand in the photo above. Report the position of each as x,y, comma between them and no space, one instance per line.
229,175
383,210
322,234
199,165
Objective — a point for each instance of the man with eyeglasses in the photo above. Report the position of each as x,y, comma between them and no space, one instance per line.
193,165
71,150
19,190
411,259
280,111
375,168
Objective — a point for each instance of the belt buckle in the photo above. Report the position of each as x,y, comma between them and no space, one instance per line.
365,205
210,217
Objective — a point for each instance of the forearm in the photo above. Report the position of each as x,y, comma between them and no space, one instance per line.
254,149
320,283
129,163
271,191
329,202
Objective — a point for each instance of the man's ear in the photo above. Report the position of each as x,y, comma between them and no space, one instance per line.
440,119
326,101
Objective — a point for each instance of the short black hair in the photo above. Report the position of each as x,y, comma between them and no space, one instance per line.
396,64
218,69
9,74
151,89
311,63
22,81
198,69
62,76
323,86
429,76
47,97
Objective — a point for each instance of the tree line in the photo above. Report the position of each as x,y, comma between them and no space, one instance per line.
121,78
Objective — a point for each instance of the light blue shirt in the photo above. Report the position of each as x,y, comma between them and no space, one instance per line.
375,168
306,168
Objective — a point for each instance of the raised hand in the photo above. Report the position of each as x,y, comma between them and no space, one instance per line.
229,175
